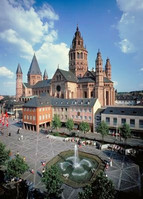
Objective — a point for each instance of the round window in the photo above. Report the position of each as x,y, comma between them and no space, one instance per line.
58,88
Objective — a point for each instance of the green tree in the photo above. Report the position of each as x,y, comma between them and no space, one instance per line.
87,193
69,124
103,129
16,167
56,122
101,188
4,154
125,131
52,180
84,126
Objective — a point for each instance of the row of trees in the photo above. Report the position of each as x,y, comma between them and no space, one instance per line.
102,128
56,123
125,131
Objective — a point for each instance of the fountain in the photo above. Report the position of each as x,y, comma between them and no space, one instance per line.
77,168
76,159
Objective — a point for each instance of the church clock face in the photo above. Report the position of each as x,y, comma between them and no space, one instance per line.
58,88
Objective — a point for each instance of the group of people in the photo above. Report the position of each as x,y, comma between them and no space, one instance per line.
43,169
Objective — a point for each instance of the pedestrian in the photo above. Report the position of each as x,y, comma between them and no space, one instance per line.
32,171
43,171
24,158
43,163
21,137
17,153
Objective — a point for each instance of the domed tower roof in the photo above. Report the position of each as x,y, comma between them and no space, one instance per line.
19,70
34,67
77,41
45,76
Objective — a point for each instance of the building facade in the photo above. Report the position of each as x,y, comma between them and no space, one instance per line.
115,117
77,82
38,112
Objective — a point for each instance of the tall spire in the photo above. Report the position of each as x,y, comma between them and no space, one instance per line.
19,70
45,76
34,74
34,67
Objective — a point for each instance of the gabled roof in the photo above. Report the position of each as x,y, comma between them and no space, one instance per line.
19,70
42,83
68,75
34,67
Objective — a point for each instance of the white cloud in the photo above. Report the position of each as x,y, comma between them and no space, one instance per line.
130,5
141,69
6,72
126,46
115,83
46,11
27,29
129,26
52,55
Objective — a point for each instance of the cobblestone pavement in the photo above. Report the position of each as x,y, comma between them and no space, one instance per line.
36,148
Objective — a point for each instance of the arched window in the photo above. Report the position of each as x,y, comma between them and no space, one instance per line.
78,55
81,55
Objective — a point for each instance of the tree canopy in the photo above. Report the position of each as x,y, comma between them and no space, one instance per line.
56,122
125,131
52,180
69,124
16,167
84,126
101,188
4,154
103,129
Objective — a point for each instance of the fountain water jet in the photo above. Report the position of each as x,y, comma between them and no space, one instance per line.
76,159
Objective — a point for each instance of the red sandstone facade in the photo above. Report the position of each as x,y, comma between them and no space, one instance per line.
78,82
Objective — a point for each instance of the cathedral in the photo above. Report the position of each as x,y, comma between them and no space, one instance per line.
77,82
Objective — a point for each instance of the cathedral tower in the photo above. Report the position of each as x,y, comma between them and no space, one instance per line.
78,63
108,69
99,87
19,82
45,76
34,74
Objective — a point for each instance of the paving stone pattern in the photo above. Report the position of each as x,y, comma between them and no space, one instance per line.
37,148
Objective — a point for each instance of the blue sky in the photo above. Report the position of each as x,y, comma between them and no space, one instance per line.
46,28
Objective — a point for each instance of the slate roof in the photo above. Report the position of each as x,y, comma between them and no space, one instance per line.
106,80
86,79
68,75
124,111
87,102
42,83
39,102
34,67
46,100
27,85
19,70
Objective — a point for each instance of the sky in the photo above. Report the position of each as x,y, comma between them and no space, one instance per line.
46,28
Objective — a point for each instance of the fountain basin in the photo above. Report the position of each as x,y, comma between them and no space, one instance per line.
80,173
